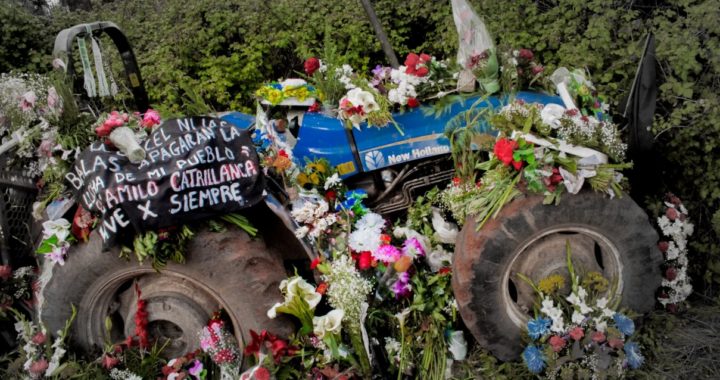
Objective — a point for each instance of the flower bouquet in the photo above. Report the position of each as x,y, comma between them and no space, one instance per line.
579,334
485,68
119,130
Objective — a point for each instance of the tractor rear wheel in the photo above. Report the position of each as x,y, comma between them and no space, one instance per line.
223,270
610,236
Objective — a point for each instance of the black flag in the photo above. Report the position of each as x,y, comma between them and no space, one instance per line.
639,111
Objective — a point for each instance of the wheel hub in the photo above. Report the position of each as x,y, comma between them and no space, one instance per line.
544,255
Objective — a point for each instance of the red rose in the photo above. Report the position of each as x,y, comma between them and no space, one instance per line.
663,246
577,333
671,273
598,337
526,54
557,343
412,103
311,65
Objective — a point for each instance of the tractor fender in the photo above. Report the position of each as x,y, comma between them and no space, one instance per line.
283,214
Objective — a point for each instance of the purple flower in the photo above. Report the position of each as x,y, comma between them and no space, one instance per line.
401,288
413,248
387,253
58,254
196,369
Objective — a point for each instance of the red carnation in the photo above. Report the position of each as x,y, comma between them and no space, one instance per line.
456,181
365,260
261,373
526,54
311,65
663,246
616,343
412,103
421,71
557,343
577,333
671,273
598,337
504,149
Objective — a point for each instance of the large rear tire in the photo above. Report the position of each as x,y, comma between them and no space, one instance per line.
611,236
225,270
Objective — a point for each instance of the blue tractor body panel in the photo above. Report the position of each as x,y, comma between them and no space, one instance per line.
321,136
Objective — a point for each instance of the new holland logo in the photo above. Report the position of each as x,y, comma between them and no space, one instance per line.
374,159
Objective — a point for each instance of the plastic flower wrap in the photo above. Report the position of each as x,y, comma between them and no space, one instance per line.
221,346
580,333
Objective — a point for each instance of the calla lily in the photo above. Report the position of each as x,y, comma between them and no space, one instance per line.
329,323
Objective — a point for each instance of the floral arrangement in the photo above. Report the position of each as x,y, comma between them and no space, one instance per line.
675,226
484,66
580,334
184,367
532,154
220,345
56,240
275,93
520,70
42,355
15,286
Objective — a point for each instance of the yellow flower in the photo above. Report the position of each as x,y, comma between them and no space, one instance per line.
595,281
302,179
551,284
315,179
274,96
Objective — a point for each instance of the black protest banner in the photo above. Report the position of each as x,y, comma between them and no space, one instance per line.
194,168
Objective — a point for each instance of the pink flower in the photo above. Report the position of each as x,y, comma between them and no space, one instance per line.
58,254
671,273
5,272
557,343
38,338
46,147
598,337
671,214
413,248
151,118
577,333
616,343
663,246
27,102
109,361
387,253
53,99
37,368
537,70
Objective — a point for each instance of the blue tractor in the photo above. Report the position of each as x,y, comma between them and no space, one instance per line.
241,275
